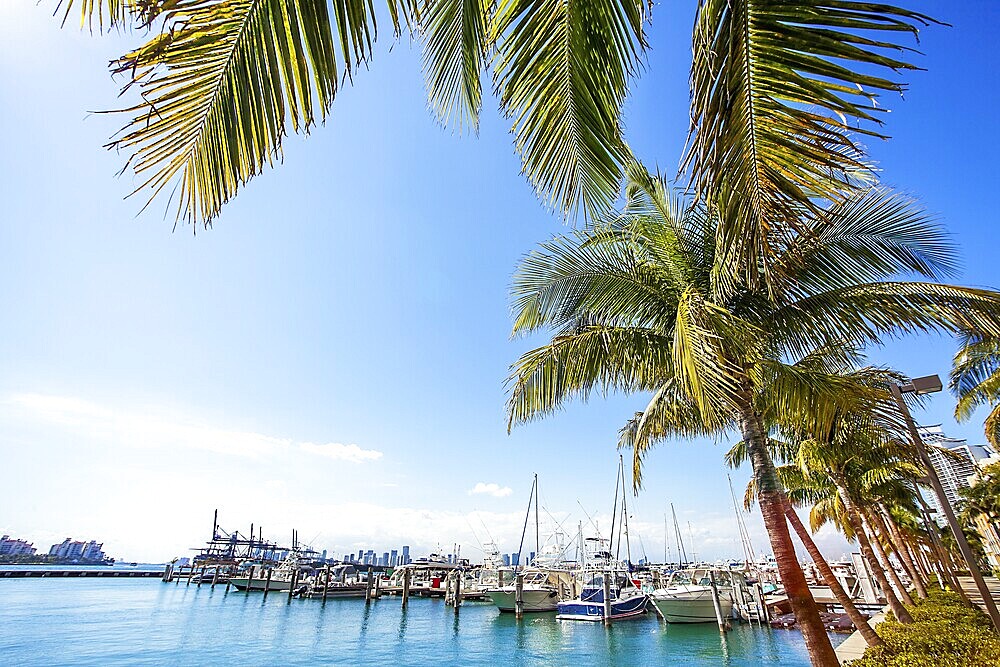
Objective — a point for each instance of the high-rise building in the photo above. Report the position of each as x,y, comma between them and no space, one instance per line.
515,558
506,560
393,558
9,547
406,555
531,557
953,471
361,555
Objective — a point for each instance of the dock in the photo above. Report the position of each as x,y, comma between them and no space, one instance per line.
65,572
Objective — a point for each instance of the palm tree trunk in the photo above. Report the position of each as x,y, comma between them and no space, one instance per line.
889,526
898,610
880,553
860,620
772,500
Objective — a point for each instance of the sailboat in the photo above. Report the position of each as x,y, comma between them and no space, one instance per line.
544,582
609,592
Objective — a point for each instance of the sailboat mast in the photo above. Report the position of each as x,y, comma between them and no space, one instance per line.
628,544
538,548
681,553
614,512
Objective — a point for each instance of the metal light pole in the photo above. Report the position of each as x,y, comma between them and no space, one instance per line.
928,385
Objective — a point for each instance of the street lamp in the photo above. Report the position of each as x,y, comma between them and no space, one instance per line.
928,385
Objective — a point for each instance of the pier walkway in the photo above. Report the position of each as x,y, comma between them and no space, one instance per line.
57,572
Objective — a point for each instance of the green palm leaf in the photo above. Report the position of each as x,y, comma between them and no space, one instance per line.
573,365
223,81
777,88
562,72
115,13
456,34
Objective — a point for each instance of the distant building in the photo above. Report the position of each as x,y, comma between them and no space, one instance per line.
76,550
9,547
393,558
406,555
515,558
361,555
954,471
506,560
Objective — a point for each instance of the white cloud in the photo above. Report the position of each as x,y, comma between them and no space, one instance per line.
491,489
340,452
148,429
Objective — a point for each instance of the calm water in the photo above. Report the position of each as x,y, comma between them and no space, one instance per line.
144,621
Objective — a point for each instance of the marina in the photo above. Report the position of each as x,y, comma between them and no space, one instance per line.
99,622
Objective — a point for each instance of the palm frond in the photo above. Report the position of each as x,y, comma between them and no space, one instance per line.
875,234
574,365
107,13
571,277
224,79
456,43
777,89
865,314
562,72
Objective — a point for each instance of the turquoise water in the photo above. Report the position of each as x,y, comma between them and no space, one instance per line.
146,622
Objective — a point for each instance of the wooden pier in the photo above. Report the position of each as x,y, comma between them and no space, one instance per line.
56,572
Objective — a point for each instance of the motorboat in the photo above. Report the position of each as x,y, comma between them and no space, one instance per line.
688,595
625,598
542,589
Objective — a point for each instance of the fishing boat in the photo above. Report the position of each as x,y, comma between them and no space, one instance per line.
625,599
289,571
541,591
609,593
688,595
341,581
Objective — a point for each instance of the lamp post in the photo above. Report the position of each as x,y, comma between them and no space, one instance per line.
928,385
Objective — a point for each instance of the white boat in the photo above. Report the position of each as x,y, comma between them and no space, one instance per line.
295,566
687,596
541,591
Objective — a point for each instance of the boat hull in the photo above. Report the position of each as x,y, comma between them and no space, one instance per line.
579,610
534,600
691,610
241,584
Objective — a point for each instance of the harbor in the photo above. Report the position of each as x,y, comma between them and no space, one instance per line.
145,622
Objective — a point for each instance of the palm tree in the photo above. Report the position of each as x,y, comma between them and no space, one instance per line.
778,90
644,301
975,381
802,495
838,473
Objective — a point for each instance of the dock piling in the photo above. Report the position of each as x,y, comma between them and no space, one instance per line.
458,591
267,583
250,580
201,575
723,623
291,584
326,582
406,587
368,587
607,599
519,596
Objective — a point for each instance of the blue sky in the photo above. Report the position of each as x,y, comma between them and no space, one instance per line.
330,355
